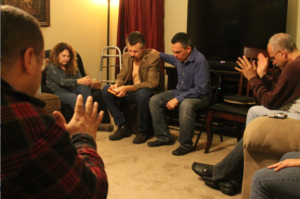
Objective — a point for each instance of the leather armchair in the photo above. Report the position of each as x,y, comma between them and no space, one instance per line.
265,141
96,93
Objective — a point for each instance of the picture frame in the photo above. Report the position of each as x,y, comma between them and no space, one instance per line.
40,9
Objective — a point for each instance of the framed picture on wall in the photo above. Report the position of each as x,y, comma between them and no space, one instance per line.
40,9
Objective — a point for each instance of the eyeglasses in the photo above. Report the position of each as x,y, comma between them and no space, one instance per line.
273,58
44,58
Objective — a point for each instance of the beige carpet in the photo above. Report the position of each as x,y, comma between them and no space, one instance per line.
138,171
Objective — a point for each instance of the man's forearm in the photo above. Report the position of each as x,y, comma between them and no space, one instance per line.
86,148
130,88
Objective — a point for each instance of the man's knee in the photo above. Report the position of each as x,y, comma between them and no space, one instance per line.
185,106
104,90
144,94
153,100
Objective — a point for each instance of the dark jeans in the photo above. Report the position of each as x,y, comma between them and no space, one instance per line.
70,98
141,97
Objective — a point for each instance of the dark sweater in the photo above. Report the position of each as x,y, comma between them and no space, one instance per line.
274,96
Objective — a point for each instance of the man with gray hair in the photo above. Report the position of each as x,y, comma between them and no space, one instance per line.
42,157
283,96
138,80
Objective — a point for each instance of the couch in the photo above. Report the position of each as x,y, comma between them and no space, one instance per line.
53,102
265,141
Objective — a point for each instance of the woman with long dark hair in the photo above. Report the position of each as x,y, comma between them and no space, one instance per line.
63,76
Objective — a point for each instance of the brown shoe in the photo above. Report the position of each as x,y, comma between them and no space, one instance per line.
141,138
122,132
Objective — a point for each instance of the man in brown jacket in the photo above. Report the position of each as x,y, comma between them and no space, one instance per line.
137,81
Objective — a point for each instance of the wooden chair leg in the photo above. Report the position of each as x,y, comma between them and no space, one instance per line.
199,135
220,130
238,131
208,131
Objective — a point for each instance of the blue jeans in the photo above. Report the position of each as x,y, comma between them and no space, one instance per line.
141,97
70,98
187,115
285,183
233,163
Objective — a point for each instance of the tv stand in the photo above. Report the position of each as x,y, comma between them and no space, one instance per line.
230,76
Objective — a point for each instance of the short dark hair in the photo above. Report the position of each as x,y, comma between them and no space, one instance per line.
19,31
134,38
183,38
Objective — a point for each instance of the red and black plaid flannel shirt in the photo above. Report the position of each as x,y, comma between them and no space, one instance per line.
38,158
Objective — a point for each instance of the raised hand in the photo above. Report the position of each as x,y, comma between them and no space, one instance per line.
262,65
84,120
248,69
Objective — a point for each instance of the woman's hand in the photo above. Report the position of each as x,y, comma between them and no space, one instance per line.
285,163
85,81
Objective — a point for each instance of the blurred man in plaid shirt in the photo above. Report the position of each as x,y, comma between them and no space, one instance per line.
42,157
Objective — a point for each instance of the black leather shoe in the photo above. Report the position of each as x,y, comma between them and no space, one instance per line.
181,151
160,143
141,138
122,132
225,186
202,169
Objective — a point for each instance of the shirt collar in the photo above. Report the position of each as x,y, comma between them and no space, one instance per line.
191,57
22,96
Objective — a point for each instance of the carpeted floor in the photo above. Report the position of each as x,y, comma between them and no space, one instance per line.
138,171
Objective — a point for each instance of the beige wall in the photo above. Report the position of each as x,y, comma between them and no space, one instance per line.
83,24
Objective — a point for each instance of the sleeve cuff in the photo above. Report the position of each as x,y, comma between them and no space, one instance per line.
83,139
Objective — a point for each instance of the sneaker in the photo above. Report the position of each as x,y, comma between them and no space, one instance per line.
141,138
122,132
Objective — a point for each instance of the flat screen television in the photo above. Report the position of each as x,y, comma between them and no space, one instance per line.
221,28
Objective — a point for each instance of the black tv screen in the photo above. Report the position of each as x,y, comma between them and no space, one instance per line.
221,28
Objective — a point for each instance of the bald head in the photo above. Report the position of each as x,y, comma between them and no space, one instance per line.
19,31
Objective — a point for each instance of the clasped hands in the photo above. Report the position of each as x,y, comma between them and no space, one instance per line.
118,91
251,70
84,120
85,81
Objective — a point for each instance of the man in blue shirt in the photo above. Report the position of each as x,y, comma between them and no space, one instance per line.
192,92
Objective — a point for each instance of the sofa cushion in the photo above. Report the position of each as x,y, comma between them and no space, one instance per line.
52,101
271,135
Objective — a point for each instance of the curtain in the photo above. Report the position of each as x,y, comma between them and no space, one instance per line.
146,16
